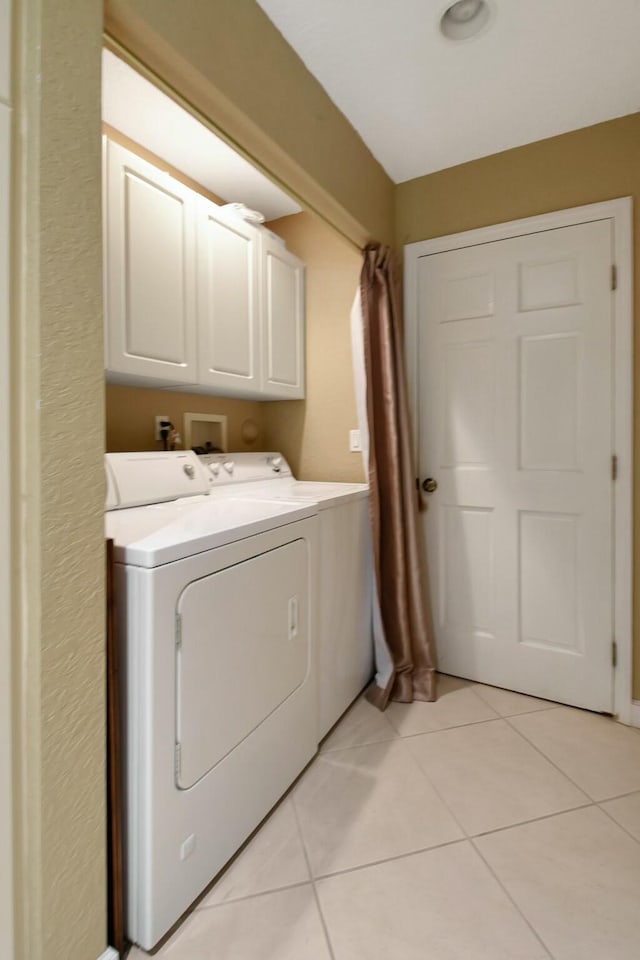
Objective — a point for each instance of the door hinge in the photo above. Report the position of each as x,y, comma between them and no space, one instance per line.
614,466
614,277
614,653
178,760
178,631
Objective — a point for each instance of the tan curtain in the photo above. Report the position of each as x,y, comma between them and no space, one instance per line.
398,555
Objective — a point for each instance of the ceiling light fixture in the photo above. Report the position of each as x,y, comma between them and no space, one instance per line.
465,19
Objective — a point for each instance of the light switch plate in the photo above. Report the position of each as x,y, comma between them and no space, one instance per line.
355,444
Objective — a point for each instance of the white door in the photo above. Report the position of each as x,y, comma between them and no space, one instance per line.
150,287
282,321
228,321
515,427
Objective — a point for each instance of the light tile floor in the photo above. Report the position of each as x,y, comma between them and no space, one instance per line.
485,826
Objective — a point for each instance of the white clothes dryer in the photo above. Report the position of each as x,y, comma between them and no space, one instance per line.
214,607
344,648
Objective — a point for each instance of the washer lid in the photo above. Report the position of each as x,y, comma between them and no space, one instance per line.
325,494
165,532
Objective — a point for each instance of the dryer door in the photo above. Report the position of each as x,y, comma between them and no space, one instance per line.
244,649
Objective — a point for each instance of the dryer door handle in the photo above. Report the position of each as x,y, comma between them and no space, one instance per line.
293,617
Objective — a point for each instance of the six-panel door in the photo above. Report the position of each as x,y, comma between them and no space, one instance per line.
515,410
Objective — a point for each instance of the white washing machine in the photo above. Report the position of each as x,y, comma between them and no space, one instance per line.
214,600
344,647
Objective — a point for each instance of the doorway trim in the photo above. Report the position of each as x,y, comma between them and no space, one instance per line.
620,212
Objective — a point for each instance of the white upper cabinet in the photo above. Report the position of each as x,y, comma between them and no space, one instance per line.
228,302
150,271
195,297
282,280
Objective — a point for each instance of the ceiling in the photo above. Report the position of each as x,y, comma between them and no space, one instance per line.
422,103
143,113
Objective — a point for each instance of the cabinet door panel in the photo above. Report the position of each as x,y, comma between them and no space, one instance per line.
150,265
282,322
228,339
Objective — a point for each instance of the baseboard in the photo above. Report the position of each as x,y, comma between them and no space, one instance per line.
635,713
109,954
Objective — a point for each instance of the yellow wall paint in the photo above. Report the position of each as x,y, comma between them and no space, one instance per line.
597,163
58,483
313,433
131,413
233,65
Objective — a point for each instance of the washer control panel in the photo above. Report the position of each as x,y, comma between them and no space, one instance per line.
225,468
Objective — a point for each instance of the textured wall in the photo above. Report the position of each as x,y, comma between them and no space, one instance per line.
314,433
6,658
586,166
59,476
131,412
229,60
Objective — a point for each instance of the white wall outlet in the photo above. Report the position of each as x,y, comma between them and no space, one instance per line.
159,420
355,444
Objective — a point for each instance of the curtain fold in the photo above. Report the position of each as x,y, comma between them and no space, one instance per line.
405,647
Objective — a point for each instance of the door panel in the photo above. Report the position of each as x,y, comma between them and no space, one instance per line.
283,321
244,649
515,423
150,272
228,334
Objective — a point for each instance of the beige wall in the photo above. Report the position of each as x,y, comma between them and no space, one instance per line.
586,166
314,433
229,61
58,484
131,413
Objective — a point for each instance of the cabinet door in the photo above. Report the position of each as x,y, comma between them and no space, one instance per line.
150,271
228,332
282,321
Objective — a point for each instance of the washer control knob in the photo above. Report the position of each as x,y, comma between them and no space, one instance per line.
189,470
276,463
228,466
214,468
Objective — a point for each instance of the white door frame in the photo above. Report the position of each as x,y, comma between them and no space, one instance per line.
620,212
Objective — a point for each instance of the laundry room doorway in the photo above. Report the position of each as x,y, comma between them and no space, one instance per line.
522,402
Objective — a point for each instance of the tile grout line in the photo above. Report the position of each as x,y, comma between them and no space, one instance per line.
399,856
470,723
613,819
465,838
352,746
303,844
252,896
618,796
511,900
509,826
552,762
524,823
